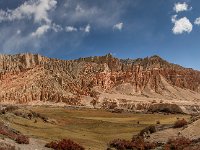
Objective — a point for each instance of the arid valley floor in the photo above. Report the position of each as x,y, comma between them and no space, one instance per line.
93,129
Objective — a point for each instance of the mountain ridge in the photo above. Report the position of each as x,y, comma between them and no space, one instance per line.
29,78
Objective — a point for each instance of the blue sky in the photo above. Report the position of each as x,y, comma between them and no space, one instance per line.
69,29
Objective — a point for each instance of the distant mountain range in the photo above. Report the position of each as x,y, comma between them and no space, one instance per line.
100,81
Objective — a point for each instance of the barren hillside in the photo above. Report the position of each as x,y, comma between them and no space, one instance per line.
103,81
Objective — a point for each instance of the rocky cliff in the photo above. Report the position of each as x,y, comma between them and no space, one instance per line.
26,78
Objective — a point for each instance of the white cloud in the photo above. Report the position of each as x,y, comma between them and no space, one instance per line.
70,29
174,18
14,39
178,7
181,25
55,27
197,21
40,31
86,29
36,9
31,16
102,15
118,26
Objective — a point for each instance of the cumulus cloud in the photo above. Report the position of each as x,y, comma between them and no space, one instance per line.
86,29
178,7
197,21
14,39
36,9
56,27
118,26
181,25
70,29
28,24
40,31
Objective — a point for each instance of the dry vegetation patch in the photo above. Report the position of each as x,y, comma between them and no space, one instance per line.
13,134
177,144
180,123
64,144
137,143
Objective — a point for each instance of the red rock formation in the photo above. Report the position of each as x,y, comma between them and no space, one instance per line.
27,77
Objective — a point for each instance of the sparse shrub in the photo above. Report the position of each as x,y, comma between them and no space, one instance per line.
109,104
65,144
150,129
180,123
45,119
30,115
2,112
17,113
35,114
11,108
38,115
121,144
137,143
158,122
113,105
165,108
14,135
21,139
140,106
116,110
177,144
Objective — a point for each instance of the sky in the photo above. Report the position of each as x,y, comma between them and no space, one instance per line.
70,29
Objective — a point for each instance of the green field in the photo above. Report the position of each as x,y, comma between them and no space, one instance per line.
91,128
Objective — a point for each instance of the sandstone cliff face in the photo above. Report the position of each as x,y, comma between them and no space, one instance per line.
27,77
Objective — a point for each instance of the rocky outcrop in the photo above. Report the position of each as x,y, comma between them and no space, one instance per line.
166,108
26,78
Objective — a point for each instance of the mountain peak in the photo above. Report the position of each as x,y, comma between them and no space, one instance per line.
155,56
